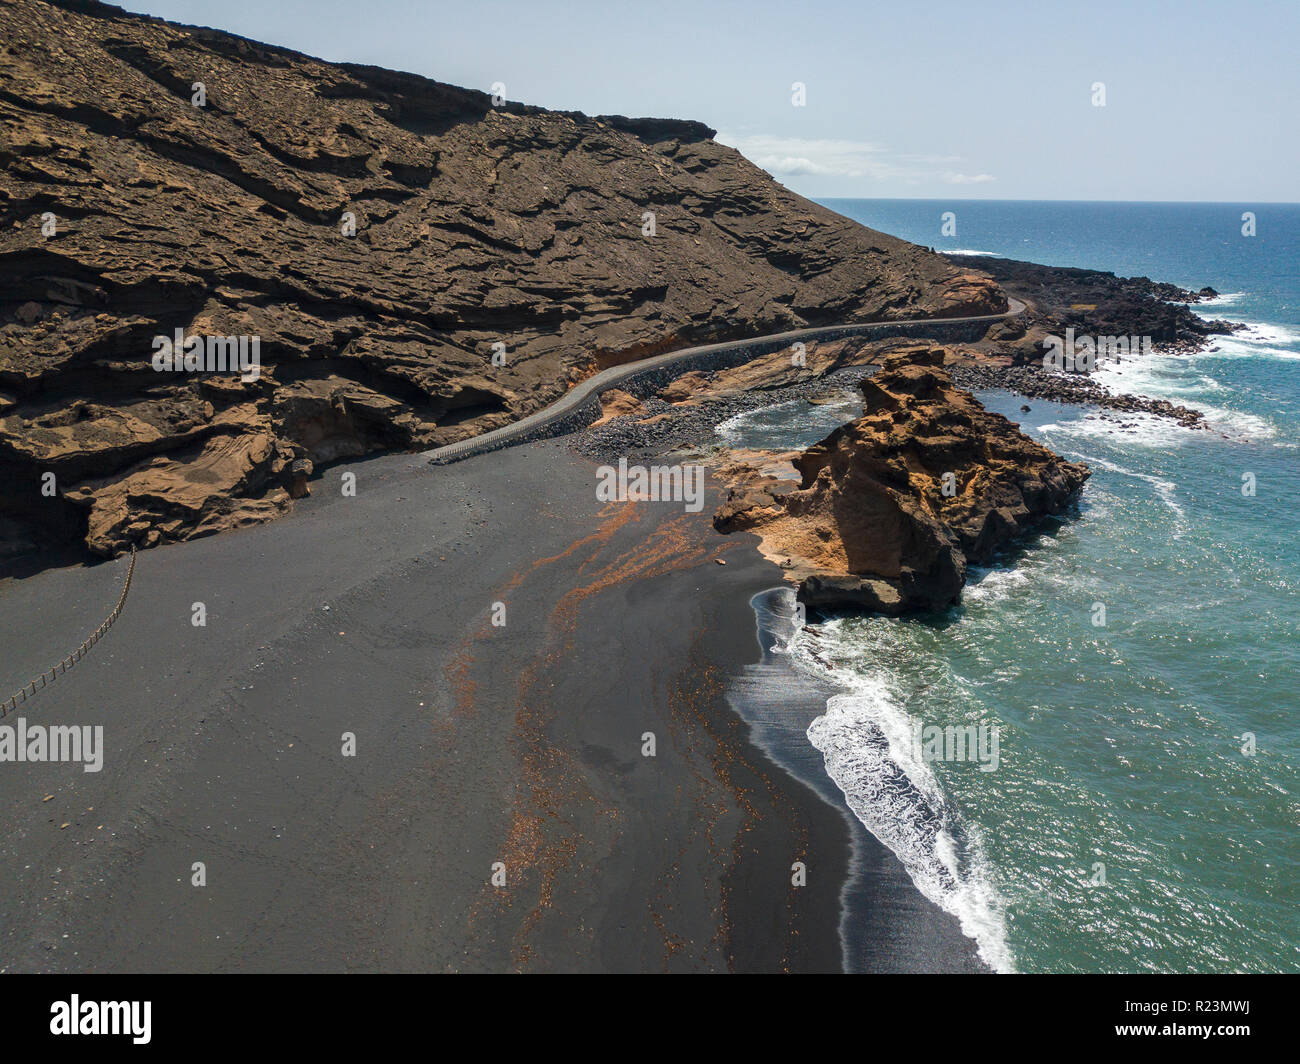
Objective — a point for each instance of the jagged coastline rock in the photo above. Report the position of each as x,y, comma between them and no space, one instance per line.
869,524
1033,382
1093,302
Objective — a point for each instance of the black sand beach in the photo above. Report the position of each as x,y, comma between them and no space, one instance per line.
475,744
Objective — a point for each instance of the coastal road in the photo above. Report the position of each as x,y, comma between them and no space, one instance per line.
534,425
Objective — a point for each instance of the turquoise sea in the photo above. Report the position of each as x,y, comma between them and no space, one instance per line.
1144,814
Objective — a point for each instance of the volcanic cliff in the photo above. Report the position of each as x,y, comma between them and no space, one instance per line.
160,177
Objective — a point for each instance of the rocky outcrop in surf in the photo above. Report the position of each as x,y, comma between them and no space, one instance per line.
419,263
890,509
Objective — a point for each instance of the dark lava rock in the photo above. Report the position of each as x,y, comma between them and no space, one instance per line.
475,226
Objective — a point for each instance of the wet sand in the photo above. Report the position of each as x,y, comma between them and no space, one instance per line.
475,744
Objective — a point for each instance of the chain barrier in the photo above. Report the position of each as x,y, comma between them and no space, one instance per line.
63,666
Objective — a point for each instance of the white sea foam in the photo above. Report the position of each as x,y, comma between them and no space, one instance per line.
1248,345
1177,379
1223,299
993,585
1266,333
865,738
1238,424
1143,430
1170,377
1165,490
734,428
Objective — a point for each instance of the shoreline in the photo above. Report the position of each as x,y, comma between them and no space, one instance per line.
1035,296
886,925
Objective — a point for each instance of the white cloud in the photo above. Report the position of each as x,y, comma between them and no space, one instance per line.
968,179
930,158
796,156
800,157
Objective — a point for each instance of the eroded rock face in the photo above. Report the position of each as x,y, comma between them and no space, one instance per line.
769,372
475,225
869,523
617,403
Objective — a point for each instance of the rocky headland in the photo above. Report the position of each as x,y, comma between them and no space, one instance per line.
1065,302
887,512
1094,303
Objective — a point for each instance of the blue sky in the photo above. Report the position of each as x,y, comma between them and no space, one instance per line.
930,100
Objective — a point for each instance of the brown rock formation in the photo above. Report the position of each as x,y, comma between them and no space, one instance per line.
475,225
869,523
771,371
617,403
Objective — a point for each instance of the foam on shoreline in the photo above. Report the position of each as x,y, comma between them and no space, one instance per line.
781,699
865,738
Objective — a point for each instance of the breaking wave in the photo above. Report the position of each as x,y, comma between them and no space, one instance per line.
865,738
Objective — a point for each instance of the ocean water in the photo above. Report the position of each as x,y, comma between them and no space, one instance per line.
1138,658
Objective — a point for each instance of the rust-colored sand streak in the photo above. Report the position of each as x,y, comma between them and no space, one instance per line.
551,780
545,767
458,670
612,516
730,753
459,680
671,546
706,802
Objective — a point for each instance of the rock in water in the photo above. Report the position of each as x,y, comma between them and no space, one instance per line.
890,509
